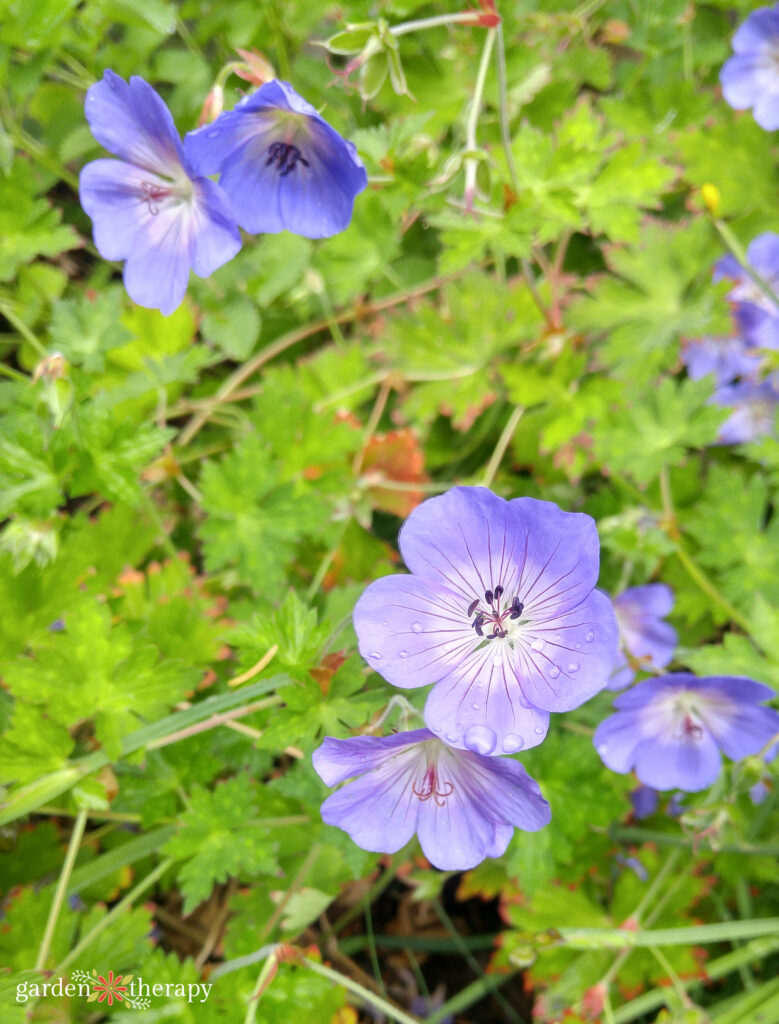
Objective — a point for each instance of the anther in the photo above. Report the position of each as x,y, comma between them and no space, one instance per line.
286,157
472,607
498,591
488,596
516,608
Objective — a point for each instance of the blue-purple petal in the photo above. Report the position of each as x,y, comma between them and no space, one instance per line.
131,121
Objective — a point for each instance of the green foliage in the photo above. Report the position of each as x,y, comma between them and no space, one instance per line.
191,505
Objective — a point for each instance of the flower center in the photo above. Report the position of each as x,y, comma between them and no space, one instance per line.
152,194
429,788
497,615
286,157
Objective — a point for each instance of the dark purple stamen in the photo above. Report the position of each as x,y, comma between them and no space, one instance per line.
494,616
286,157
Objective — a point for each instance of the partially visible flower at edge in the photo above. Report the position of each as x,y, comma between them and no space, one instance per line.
282,166
756,314
726,358
643,635
754,412
464,807
150,207
499,611
671,729
750,78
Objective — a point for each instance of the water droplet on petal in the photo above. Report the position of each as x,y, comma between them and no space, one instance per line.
554,672
578,646
497,660
416,627
376,655
573,666
452,737
590,637
404,654
602,748
538,645
475,706
539,730
480,739
512,743
524,701
212,133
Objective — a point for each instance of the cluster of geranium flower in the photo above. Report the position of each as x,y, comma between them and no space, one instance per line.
501,613
280,165
750,80
738,362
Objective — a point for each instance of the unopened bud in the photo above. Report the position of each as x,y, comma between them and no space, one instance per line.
710,195
256,68
51,367
213,106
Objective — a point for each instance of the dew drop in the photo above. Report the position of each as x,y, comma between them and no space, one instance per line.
512,743
590,637
554,672
404,654
524,701
603,747
498,659
480,739
475,706
573,666
212,133
539,730
538,645
376,655
578,646
452,737
416,627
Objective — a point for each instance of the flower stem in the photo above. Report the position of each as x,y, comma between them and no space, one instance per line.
460,18
114,914
503,111
500,448
473,118
62,888
393,1012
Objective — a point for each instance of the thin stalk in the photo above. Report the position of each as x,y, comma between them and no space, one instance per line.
503,112
678,988
500,448
211,723
62,888
373,421
22,328
473,118
297,882
461,18
250,673
393,1012
114,914
372,949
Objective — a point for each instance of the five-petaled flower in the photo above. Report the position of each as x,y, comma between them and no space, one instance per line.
108,989
644,636
151,207
671,730
281,164
754,408
464,807
500,612
750,78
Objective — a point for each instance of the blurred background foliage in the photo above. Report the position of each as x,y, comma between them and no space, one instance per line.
185,498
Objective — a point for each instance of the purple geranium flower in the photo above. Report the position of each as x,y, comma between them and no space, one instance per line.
150,208
500,612
726,358
756,313
282,165
643,634
751,77
671,729
754,411
464,807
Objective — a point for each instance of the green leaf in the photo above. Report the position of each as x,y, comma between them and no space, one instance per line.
217,838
